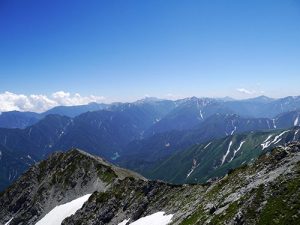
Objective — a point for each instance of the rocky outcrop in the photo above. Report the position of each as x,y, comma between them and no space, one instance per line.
60,179
267,191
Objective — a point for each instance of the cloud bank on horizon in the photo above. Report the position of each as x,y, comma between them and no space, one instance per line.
39,103
10,101
249,92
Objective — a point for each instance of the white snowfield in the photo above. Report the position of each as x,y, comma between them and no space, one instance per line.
158,218
59,213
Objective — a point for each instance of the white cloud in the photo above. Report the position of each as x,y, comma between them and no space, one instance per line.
65,98
39,103
245,91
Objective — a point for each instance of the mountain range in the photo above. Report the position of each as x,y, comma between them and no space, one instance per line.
191,108
140,136
189,161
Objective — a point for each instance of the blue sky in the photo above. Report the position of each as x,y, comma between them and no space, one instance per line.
124,50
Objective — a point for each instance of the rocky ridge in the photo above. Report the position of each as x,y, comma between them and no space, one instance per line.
266,191
55,181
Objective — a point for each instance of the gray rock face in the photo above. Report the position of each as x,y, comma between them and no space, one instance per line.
60,179
265,192
126,199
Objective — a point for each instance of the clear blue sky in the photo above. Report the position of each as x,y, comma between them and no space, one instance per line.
127,49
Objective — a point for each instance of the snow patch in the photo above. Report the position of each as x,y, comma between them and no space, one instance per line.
266,142
296,121
275,141
12,174
268,123
200,112
8,222
274,124
207,145
115,156
228,150
158,218
295,134
61,133
124,222
59,213
235,151
201,115
194,166
234,128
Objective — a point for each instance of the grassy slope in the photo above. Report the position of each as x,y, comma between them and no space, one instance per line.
209,160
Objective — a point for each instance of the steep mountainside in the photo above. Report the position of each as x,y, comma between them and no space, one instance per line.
102,133
121,131
263,107
142,155
266,191
37,139
214,159
116,135
72,111
12,165
288,119
105,132
16,119
191,112
22,148
60,179
188,113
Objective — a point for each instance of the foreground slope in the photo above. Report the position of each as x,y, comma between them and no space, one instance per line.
55,181
264,192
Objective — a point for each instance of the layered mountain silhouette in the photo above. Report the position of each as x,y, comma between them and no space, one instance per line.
139,135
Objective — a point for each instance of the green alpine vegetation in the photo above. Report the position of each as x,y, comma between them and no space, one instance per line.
202,162
263,191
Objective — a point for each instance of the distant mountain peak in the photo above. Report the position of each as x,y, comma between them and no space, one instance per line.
261,98
148,100
264,97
